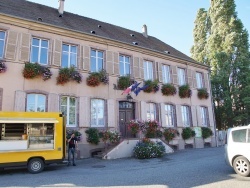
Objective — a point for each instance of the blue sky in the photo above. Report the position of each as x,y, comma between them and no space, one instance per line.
171,21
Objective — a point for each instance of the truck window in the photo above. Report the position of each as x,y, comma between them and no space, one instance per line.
239,135
40,135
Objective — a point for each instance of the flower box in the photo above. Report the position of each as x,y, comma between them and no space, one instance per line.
174,142
189,141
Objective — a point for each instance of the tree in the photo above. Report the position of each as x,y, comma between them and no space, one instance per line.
198,50
227,52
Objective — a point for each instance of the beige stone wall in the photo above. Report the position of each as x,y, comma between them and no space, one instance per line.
13,86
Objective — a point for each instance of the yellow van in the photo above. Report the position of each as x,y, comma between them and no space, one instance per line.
32,139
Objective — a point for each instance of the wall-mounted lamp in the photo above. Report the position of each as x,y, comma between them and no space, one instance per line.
129,97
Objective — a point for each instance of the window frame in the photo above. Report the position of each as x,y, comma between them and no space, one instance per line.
69,54
172,113
148,74
124,63
186,116
39,50
166,76
4,43
199,80
204,115
97,69
97,125
149,111
36,100
68,111
182,76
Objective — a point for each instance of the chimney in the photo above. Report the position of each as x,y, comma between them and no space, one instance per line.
145,31
61,7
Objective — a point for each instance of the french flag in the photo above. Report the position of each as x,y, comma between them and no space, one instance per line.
128,90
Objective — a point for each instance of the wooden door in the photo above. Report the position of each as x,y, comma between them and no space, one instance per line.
126,113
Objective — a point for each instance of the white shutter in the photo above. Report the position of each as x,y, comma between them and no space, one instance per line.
194,118
57,52
11,45
109,64
20,101
116,63
199,120
190,78
174,75
53,102
111,113
141,68
25,47
160,71
163,117
86,57
211,117
79,57
143,110
84,112
136,67
179,116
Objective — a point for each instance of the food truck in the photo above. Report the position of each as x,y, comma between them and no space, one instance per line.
31,139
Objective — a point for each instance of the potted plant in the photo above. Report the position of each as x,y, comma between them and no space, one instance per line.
206,133
151,128
67,74
33,70
169,134
133,127
123,82
3,67
95,78
202,93
185,91
93,136
168,89
152,86
187,134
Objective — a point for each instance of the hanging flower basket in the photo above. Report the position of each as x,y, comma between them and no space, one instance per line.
152,86
123,82
67,74
95,78
3,67
202,93
168,89
34,70
185,91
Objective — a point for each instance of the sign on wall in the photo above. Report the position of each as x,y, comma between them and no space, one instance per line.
198,133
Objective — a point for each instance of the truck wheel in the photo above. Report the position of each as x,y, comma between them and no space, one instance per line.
35,165
241,166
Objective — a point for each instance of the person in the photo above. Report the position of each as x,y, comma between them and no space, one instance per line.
72,146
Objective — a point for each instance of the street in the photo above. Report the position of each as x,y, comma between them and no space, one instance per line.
204,168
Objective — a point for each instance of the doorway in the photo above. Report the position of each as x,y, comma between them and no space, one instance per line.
126,113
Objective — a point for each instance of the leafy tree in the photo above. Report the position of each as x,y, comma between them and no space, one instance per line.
227,52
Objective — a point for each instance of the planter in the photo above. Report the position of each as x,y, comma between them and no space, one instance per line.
189,141
208,139
174,142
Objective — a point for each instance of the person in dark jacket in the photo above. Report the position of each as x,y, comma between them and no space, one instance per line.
72,147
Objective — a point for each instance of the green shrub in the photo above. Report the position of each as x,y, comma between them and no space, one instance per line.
149,149
168,89
170,133
185,91
206,132
187,133
123,82
93,136
202,93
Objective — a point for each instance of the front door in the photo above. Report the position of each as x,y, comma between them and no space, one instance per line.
126,113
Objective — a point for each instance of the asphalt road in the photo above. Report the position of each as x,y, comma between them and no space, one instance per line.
204,168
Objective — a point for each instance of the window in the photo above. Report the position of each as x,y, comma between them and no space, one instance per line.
170,115
96,60
2,43
39,51
186,116
204,117
97,113
36,103
68,108
151,111
124,63
148,70
166,74
199,80
181,76
69,55
239,135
